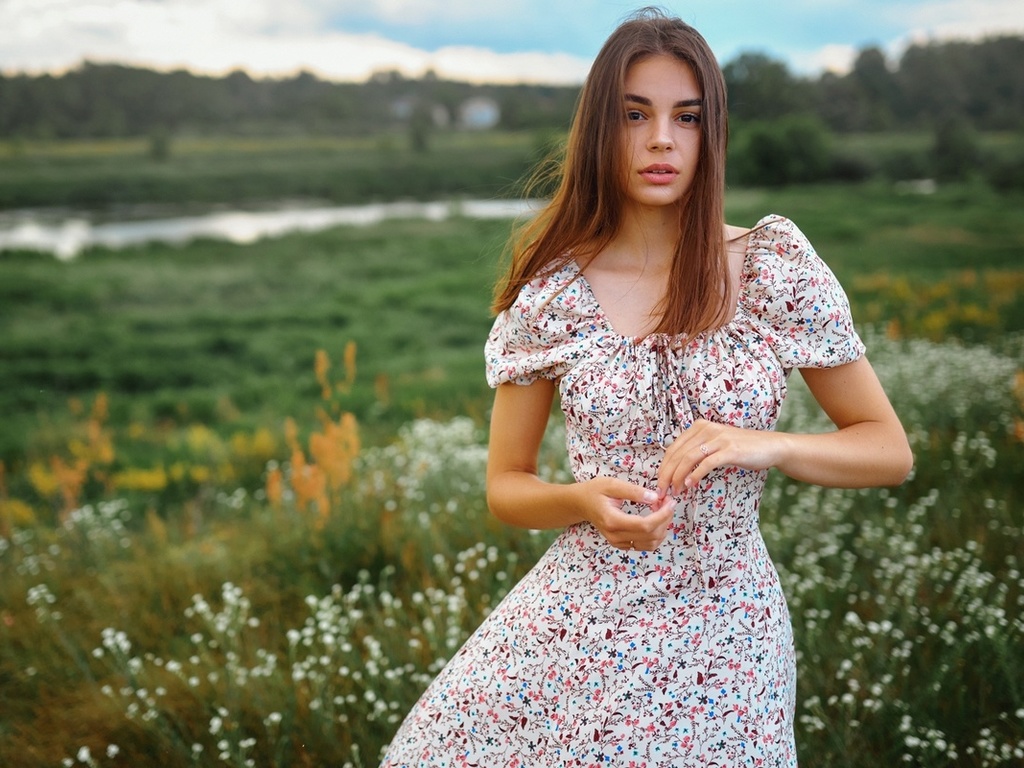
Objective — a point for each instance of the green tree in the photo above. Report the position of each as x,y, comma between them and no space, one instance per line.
955,150
876,89
791,150
761,88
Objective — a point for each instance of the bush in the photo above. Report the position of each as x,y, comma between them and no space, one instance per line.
1006,175
906,165
955,152
850,167
791,150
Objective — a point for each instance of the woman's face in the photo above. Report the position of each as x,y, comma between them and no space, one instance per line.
662,109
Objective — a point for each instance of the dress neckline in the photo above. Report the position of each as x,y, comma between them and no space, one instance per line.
739,307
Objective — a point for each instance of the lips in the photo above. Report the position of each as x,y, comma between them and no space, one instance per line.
659,173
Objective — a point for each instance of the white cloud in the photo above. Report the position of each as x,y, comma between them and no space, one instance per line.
481,65
266,37
215,36
961,19
415,12
923,21
828,58
953,20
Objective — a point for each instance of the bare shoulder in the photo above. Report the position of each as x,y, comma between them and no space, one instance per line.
735,234
736,240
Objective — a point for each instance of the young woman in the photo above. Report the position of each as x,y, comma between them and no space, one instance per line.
654,631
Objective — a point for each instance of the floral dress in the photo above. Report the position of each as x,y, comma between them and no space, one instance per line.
681,656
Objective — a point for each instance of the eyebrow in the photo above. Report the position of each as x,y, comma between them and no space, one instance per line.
648,103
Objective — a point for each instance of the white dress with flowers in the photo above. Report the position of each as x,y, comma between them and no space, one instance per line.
682,656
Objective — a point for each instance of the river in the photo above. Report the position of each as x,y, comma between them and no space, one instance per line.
66,234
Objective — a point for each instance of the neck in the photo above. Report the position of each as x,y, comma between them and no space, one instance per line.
649,233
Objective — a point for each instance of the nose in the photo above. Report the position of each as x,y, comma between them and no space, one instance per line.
660,138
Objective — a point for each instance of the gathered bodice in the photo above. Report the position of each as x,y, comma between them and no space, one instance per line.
625,399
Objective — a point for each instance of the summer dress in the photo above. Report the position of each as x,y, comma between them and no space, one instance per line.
682,656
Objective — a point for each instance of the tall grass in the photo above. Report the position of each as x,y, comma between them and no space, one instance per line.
259,632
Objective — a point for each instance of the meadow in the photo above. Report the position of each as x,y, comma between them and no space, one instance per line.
211,170
242,518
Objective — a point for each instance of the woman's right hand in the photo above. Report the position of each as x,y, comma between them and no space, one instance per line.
517,495
601,501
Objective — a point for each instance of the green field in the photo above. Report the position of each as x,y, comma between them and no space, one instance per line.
225,334
101,174
175,590
202,171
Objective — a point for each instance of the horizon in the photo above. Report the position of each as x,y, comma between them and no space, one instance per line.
460,40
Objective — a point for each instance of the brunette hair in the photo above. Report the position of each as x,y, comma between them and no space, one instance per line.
586,209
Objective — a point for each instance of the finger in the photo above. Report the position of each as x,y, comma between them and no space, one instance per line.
653,526
699,472
620,490
675,469
690,468
652,539
624,525
663,512
679,459
640,529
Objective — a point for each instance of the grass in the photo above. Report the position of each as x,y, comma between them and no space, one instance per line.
186,580
102,174
250,632
412,295
205,170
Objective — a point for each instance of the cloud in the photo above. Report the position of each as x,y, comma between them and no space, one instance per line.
938,20
517,40
894,27
478,64
216,36
417,12
829,58
961,19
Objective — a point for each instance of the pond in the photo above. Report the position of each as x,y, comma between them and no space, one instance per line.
67,234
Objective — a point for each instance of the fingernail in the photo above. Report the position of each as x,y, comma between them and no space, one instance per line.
650,497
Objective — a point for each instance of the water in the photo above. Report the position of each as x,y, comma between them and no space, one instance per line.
68,235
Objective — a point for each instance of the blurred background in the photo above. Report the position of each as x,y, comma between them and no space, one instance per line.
246,255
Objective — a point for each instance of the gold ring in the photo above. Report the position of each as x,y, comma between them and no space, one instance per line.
630,543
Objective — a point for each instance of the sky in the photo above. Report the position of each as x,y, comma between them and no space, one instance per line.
494,41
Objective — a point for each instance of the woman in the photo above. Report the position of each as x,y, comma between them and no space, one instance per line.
654,631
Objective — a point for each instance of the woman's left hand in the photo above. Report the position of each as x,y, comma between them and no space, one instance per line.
705,446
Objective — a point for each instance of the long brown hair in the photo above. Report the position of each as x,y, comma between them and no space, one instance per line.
586,209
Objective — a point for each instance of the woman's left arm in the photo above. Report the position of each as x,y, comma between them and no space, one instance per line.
869,446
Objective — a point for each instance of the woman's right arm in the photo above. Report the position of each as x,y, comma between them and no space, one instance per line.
517,496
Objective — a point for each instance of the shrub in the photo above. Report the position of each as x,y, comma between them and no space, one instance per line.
787,151
955,151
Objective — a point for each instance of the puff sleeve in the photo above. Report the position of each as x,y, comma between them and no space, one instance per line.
539,335
799,300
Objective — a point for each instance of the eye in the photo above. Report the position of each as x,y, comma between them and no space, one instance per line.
691,118
634,114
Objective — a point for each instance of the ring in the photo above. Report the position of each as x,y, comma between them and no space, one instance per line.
704,449
630,543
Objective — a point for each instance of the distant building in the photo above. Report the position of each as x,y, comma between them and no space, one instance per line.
440,116
479,113
407,107
403,108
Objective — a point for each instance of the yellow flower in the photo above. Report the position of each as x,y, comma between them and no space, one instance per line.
138,479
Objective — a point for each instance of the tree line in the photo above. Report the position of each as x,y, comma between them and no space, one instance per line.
978,83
